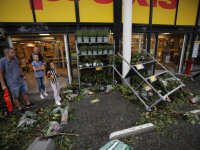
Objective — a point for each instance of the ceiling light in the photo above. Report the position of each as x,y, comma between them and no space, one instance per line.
22,43
37,41
44,34
166,33
13,42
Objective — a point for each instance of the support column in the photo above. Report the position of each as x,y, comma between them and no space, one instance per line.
127,34
9,40
67,58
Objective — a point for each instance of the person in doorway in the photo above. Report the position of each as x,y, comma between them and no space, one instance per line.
52,75
194,76
15,78
36,51
165,52
38,68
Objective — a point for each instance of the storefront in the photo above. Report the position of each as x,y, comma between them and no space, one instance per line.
157,22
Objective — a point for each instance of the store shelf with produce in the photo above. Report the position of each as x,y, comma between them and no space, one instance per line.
95,67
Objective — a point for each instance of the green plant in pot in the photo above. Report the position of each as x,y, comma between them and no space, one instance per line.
85,36
90,62
105,49
98,62
111,48
94,48
100,49
79,34
99,36
105,34
89,50
83,50
93,35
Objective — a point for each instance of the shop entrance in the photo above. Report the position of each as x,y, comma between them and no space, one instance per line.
52,48
175,47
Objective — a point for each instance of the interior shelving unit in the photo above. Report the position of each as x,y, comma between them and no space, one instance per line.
92,67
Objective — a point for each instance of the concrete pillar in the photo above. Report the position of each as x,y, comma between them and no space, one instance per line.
127,34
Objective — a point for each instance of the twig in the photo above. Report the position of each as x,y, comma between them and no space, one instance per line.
68,134
16,141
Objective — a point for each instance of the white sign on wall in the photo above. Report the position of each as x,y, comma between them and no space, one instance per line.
195,50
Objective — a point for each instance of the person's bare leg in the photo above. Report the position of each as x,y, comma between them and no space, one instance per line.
16,101
26,98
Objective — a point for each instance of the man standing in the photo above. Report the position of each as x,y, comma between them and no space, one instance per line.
10,69
36,51
165,52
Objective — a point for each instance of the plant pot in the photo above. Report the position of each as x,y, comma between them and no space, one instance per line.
89,84
90,64
92,39
102,89
110,51
86,39
94,51
87,65
105,51
77,92
99,51
79,39
99,39
94,64
80,66
83,53
105,39
89,52
101,63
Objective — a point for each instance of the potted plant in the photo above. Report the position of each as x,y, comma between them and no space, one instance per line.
94,49
85,36
105,34
79,34
95,63
84,64
89,50
98,62
99,36
93,35
83,50
90,62
111,48
80,64
105,49
100,49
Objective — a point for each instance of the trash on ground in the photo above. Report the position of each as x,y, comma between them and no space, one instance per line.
68,92
25,123
116,145
85,92
64,113
194,100
168,100
52,129
41,144
109,88
94,101
73,96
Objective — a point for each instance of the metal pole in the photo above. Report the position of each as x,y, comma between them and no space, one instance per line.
182,53
10,44
140,37
127,34
67,57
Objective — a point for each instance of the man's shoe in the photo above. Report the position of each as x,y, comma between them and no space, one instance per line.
192,78
58,103
21,111
30,105
59,98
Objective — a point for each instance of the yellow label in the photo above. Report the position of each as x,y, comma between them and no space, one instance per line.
98,68
147,88
197,41
96,100
153,78
52,54
140,66
144,84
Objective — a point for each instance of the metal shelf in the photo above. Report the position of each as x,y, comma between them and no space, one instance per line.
95,54
93,67
94,42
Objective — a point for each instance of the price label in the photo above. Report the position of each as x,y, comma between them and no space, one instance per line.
152,79
140,66
98,68
147,88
